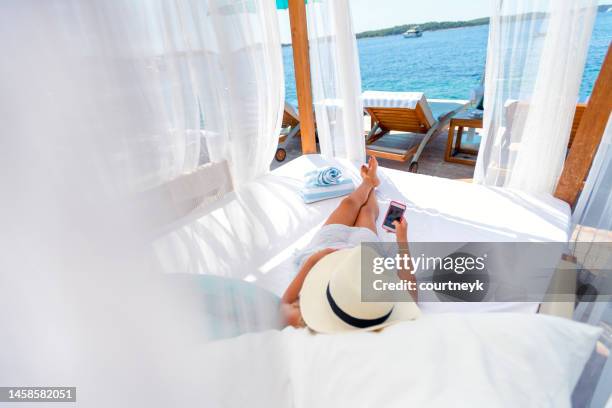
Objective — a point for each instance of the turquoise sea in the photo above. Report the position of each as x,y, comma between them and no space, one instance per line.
443,64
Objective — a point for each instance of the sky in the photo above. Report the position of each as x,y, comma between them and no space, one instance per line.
371,15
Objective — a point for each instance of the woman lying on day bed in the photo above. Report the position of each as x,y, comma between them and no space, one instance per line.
325,294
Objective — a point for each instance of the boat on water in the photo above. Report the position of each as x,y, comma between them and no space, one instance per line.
413,32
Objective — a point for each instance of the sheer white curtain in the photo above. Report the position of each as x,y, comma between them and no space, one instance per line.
592,247
593,210
100,101
336,79
245,72
535,59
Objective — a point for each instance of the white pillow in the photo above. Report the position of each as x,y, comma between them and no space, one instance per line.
252,370
501,359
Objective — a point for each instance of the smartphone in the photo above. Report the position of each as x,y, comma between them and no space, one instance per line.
394,213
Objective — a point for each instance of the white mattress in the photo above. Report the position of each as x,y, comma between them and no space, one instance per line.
255,232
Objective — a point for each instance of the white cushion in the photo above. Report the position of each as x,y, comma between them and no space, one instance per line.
484,360
407,100
507,359
382,99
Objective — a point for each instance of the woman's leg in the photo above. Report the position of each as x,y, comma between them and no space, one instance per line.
349,207
368,214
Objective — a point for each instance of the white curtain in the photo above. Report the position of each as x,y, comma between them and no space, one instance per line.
336,79
245,73
535,59
593,213
102,103
592,247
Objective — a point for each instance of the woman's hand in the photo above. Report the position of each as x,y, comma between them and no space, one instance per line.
408,273
401,230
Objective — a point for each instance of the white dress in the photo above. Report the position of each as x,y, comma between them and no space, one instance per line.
335,236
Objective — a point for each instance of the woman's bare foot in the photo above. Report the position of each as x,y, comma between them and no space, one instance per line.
369,172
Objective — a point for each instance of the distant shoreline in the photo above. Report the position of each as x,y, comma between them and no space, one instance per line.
439,25
435,26
429,26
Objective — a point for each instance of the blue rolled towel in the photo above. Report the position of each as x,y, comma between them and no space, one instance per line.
327,176
324,184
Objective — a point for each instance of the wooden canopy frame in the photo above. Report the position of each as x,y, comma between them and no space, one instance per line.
301,65
588,135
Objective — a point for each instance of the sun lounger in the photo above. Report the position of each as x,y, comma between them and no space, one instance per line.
408,112
290,129
518,109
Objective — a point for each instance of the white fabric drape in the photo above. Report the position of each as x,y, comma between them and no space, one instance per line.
592,247
102,105
535,59
594,207
336,79
245,73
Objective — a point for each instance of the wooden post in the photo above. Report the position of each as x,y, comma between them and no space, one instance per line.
301,64
588,135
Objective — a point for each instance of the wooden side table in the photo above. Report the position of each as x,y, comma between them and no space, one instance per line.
453,144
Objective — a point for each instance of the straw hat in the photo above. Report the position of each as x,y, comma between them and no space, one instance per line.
330,299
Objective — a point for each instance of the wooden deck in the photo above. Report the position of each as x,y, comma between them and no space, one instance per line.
431,162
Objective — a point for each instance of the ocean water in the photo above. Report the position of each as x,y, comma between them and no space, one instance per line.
443,64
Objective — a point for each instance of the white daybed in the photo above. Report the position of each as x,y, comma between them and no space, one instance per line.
441,359
253,233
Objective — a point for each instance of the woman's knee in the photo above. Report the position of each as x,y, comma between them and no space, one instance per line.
350,203
372,205
370,211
